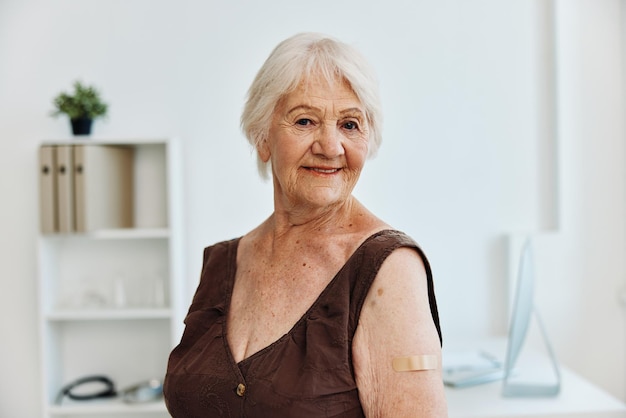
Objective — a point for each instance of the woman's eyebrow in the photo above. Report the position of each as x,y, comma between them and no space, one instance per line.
352,110
300,108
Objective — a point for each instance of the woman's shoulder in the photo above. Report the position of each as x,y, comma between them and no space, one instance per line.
386,247
221,247
387,240
391,236
219,256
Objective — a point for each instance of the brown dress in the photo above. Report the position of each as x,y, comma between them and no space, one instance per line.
306,373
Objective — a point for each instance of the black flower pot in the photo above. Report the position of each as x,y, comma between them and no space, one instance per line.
81,126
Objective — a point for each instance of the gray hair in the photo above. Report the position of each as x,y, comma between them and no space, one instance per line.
294,60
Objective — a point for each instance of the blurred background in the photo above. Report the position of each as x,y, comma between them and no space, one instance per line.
502,118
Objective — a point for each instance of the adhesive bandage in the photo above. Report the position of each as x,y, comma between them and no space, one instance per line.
415,363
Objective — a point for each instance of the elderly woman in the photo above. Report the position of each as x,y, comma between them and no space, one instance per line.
323,310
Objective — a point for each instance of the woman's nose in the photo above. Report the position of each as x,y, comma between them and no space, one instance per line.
328,142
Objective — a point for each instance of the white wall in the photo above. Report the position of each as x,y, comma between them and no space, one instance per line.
463,161
583,264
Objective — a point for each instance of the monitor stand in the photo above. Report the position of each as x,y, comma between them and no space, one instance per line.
518,390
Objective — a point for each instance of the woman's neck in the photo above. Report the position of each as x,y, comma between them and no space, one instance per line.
314,221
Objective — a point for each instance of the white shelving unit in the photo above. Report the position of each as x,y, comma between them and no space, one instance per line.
111,300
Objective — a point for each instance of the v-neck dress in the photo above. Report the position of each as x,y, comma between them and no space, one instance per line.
306,373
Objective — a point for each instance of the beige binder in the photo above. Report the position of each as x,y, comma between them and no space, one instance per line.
103,180
47,190
65,188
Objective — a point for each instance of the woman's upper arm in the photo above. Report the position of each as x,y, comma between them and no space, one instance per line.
396,322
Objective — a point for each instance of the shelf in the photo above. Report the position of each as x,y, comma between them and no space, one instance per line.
97,140
108,314
127,233
104,407
111,291
134,233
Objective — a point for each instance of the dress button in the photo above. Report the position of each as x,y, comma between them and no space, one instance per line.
241,389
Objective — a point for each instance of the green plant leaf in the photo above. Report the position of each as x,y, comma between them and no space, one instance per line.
85,102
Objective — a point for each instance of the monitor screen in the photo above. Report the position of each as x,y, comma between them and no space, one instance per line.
523,310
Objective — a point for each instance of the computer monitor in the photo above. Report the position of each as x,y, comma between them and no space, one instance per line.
521,315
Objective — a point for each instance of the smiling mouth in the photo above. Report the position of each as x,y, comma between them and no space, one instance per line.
324,170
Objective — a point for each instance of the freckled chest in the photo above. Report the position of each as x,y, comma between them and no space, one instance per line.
272,293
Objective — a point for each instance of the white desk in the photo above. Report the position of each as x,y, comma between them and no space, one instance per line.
578,399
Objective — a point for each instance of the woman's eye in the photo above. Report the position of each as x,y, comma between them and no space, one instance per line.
350,126
303,122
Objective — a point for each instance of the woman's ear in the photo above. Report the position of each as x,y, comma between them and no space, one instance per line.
263,150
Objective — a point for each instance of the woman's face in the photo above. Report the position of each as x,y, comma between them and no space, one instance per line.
317,144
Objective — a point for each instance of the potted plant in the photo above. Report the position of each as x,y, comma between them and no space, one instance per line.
82,107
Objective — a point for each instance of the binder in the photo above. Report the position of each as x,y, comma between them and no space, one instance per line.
65,188
103,184
47,190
